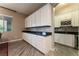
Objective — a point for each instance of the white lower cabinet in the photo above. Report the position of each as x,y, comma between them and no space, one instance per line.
65,39
43,44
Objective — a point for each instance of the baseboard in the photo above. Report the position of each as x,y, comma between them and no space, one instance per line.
15,40
65,45
11,41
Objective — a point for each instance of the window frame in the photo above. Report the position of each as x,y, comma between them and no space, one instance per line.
2,15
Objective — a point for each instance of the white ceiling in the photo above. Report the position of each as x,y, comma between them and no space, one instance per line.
24,8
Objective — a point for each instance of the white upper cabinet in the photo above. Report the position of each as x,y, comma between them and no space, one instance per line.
46,15
27,23
38,18
57,22
33,20
73,16
41,17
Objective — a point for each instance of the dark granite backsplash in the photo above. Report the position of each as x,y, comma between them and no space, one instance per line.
41,29
39,33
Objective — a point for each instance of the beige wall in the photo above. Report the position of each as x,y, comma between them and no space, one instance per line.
64,8
17,24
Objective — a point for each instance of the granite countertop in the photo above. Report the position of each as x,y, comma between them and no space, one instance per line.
39,33
67,30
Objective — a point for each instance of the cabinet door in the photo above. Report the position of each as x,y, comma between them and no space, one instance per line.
46,15
75,18
67,16
70,40
25,22
32,39
59,38
43,43
56,38
28,21
32,20
48,43
38,17
66,39
25,36
57,21
40,43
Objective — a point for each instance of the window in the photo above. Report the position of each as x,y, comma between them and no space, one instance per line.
1,24
5,23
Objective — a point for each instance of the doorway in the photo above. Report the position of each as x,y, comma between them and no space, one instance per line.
66,29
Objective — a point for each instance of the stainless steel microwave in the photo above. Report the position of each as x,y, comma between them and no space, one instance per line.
66,23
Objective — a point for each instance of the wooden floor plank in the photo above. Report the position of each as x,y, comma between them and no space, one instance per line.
22,48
